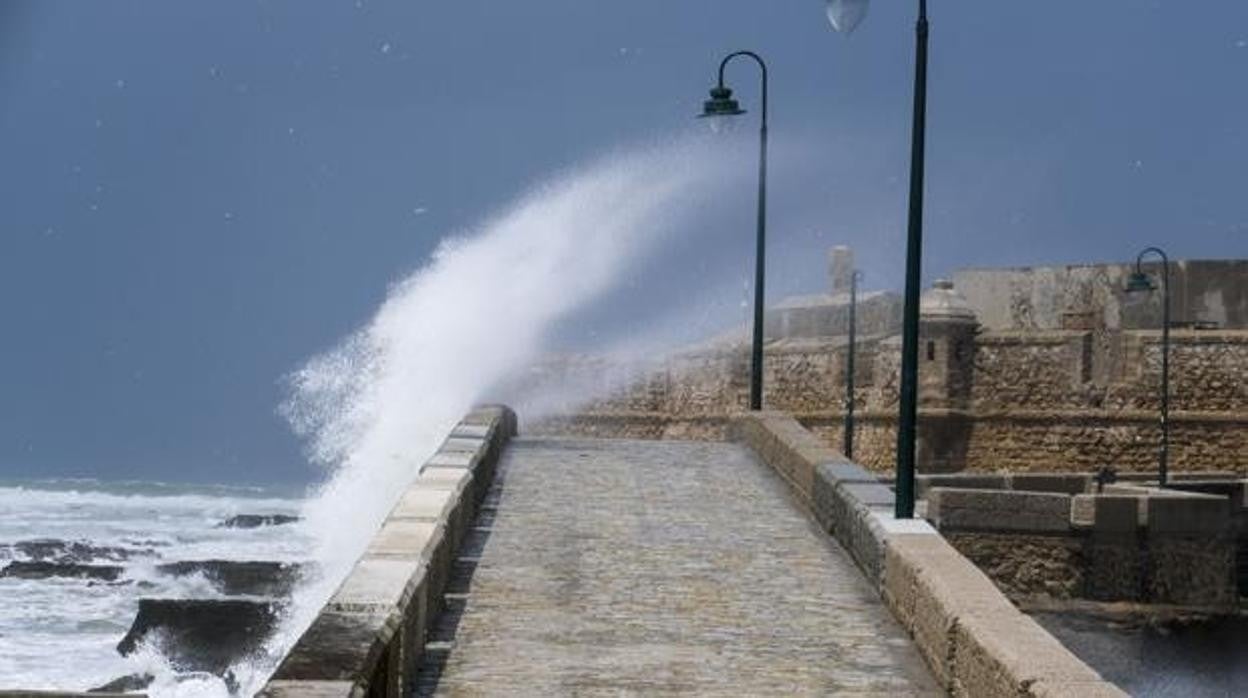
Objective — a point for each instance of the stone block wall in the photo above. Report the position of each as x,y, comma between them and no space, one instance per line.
1127,544
1043,401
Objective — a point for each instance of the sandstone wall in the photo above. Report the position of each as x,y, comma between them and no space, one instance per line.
1091,295
1054,400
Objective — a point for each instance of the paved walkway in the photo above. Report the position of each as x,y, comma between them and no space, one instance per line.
651,568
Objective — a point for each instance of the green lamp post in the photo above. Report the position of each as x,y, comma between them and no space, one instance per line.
719,107
848,439
845,16
1139,282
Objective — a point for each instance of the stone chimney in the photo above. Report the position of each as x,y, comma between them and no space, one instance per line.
840,268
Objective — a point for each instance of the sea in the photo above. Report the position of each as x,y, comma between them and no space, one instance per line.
61,632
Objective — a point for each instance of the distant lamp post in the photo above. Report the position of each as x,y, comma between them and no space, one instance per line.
854,277
845,16
1139,282
717,110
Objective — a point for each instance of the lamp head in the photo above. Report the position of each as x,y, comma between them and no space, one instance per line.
1139,282
720,108
846,15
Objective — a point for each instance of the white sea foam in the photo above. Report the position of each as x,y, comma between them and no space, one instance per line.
45,621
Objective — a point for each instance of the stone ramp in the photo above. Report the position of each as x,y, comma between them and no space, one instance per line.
658,567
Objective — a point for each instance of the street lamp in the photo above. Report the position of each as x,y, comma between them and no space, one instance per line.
720,107
849,365
846,15
907,417
1139,282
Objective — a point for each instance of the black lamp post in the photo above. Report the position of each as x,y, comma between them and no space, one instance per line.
845,15
721,105
1138,282
849,364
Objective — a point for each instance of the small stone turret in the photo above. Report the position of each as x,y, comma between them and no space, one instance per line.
840,269
947,327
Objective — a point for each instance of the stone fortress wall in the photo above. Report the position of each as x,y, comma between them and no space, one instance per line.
1001,397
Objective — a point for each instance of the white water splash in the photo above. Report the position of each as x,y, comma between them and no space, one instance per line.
377,406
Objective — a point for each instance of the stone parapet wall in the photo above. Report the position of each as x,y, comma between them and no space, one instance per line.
369,639
1043,400
1129,543
974,640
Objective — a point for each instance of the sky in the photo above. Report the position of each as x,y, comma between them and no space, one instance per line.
200,196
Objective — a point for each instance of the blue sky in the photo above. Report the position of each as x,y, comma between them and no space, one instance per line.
199,196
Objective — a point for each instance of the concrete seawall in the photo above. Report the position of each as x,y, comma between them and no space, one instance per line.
974,640
369,638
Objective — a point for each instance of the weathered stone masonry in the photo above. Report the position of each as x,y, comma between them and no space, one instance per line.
1066,400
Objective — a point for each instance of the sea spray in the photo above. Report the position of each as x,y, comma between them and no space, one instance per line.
377,406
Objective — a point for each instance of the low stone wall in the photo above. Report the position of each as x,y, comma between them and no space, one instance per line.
369,638
975,641
1130,543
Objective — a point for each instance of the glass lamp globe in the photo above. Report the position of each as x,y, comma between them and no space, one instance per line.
719,111
846,15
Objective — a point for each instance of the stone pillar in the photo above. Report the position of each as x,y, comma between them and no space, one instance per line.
840,268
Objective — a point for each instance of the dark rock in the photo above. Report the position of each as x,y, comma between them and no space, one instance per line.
234,578
257,520
133,682
43,570
200,635
56,550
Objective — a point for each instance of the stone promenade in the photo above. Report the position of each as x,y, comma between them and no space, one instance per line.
657,568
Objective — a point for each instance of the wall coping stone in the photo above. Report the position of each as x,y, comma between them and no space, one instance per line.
376,585
999,510
455,444
867,494
340,646
454,459
439,477
404,539
423,504
846,472
307,689
472,431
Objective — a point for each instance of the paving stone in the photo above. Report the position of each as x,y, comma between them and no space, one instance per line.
655,568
